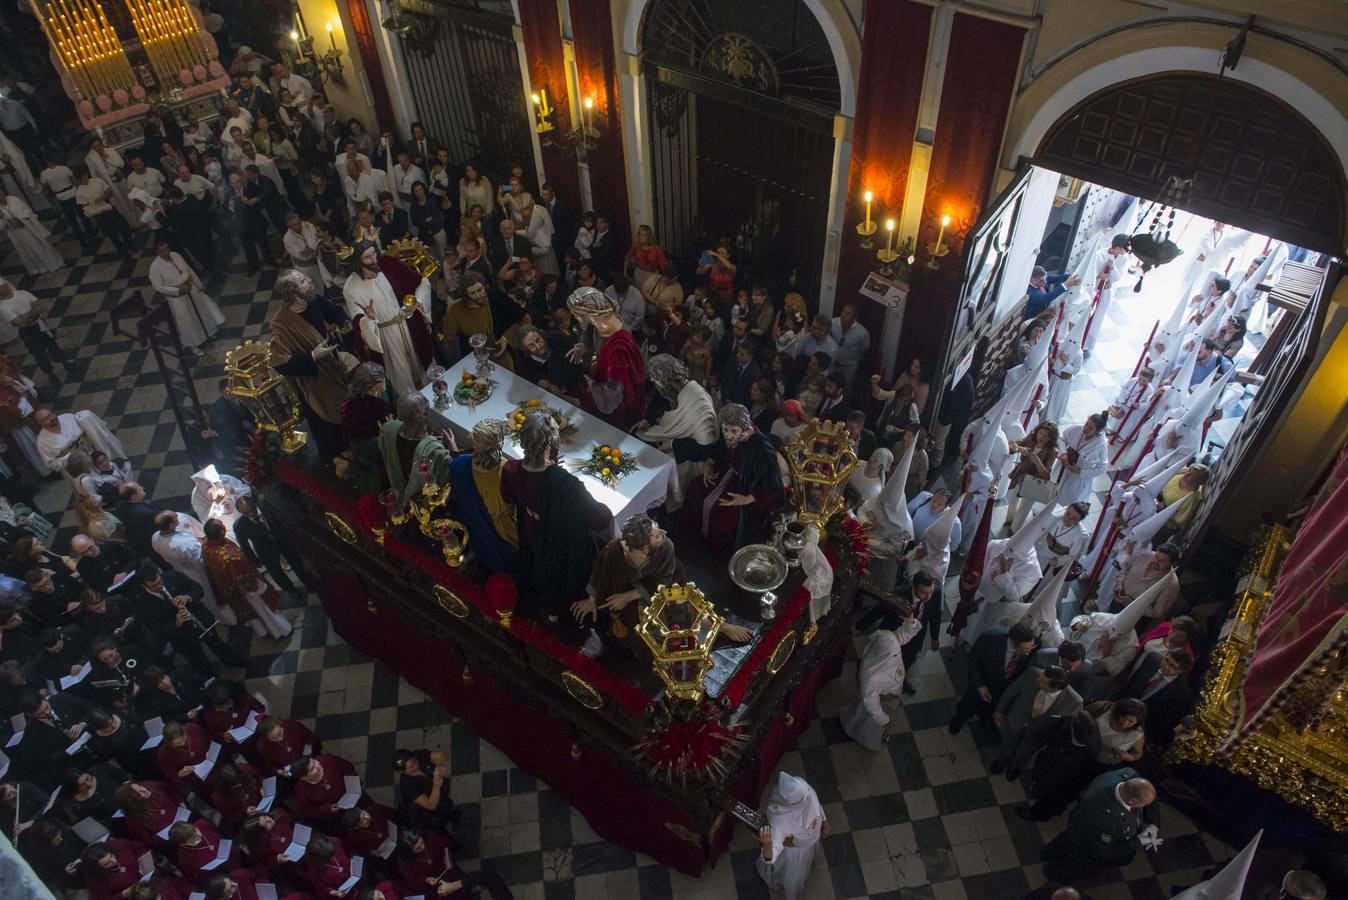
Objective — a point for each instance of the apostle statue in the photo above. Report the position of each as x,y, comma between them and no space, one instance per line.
475,479
304,332
556,518
412,455
389,331
740,485
687,428
617,380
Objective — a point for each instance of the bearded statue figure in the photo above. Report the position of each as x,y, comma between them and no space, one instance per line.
475,479
687,428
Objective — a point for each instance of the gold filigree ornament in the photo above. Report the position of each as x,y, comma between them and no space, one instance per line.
684,833
821,458
340,528
450,602
782,653
584,693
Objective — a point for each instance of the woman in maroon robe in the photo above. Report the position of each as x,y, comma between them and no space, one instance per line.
364,830
198,845
148,807
264,837
110,868
236,790
282,741
227,706
326,865
618,376
319,784
183,747
424,862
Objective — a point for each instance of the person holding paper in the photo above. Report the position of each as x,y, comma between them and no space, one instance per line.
91,793
236,791
149,808
369,832
201,851
228,706
110,868
53,851
245,884
425,864
282,741
183,749
264,838
171,698
320,786
328,867
122,741
52,724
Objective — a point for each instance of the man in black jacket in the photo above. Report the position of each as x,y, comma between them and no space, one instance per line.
265,547
507,248
996,659
100,564
170,604
50,726
137,514
188,222
1161,683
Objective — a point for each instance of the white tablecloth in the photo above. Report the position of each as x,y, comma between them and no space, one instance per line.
642,489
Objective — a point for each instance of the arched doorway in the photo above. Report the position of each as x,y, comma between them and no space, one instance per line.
741,104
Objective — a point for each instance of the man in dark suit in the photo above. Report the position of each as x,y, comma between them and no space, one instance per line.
996,659
563,227
422,147
1035,694
475,260
170,604
188,222
50,726
137,514
1071,656
834,406
1160,682
925,596
506,248
740,374
231,428
863,439
1116,811
265,547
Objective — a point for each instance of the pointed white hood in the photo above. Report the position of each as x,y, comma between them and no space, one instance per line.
1169,333
1029,534
1230,881
990,425
1041,613
1144,531
1203,399
1156,479
1021,394
1186,374
1126,619
937,536
890,506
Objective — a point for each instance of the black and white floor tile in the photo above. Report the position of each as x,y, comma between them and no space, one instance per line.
922,819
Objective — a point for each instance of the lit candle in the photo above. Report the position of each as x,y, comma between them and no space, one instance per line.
868,197
589,113
945,220
332,37
889,241
543,102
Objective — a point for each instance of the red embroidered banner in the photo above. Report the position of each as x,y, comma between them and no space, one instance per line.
1308,619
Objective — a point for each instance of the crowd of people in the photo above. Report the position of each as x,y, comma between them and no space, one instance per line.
128,739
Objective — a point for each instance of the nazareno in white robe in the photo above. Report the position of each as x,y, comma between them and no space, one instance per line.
792,810
195,314
30,238
880,671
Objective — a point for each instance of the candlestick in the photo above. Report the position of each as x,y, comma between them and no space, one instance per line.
945,220
938,249
588,117
888,255
868,227
332,38
868,209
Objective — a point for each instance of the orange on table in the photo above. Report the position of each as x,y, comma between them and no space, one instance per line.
604,449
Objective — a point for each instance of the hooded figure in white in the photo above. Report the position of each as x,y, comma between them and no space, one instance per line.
1230,880
1110,637
1067,363
795,826
880,671
932,553
886,517
1041,613
1010,572
1138,537
1062,543
1186,430
1133,501
985,465
1110,266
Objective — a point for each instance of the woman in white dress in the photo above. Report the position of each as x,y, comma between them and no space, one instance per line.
795,826
1121,726
24,393
195,314
1084,456
29,236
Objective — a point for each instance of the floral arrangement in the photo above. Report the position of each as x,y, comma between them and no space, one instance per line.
686,739
260,465
472,389
524,407
606,463
849,534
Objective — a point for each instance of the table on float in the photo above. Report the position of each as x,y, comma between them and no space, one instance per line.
644,488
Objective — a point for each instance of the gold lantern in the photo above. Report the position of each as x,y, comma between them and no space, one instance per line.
679,627
415,255
821,459
265,392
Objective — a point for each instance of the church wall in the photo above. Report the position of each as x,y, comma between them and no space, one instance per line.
351,100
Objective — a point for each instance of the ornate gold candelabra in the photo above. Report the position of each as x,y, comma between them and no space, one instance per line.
679,626
87,47
168,34
821,459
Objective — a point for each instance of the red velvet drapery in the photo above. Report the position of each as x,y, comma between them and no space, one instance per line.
374,69
980,78
597,66
547,70
1306,622
888,96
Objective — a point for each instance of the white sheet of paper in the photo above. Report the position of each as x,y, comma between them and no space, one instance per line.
51,801
308,750
349,884
265,891
299,839
17,722
180,816
4,764
352,795
385,850
196,895
79,743
71,680
90,831
246,730
203,768
146,863
268,794
213,751
221,855
357,865
155,729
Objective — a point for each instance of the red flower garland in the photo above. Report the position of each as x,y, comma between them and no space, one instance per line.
691,745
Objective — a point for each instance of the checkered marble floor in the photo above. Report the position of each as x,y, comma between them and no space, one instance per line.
922,819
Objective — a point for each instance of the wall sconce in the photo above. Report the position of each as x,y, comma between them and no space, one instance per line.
319,68
888,255
575,141
938,249
542,111
868,227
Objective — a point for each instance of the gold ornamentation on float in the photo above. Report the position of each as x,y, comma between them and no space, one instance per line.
584,693
810,632
785,647
415,255
450,602
684,833
679,627
339,527
821,458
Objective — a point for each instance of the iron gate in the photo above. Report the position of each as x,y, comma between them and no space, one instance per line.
464,73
